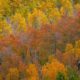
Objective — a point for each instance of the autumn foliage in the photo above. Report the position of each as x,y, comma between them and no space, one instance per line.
39,40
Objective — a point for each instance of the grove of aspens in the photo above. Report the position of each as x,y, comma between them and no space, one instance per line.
39,39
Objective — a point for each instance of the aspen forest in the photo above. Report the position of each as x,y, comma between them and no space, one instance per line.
39,39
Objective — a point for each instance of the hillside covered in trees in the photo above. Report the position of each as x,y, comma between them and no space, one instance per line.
39,39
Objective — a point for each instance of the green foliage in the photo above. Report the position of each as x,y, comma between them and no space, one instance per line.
72,74
60,76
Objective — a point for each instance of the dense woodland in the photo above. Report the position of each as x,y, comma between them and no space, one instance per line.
39,39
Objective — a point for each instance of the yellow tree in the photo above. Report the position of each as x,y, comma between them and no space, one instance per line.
5,28
77,49
19,23
32,72
4,8
52,68
37,18
13,74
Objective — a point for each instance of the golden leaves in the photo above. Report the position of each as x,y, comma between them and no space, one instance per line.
32,72
5,28
37,16
19,21
51,69
13,74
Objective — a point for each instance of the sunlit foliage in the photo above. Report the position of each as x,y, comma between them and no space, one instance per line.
39,39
